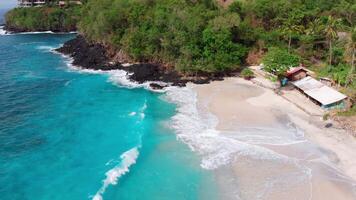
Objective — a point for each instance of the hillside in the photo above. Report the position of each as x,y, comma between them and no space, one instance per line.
43,19
209,37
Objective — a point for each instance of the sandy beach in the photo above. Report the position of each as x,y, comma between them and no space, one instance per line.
275,150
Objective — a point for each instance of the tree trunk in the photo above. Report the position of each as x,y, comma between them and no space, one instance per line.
330,52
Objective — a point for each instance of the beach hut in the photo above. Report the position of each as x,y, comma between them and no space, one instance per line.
325,96
296,73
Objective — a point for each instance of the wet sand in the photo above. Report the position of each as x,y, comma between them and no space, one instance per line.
284,154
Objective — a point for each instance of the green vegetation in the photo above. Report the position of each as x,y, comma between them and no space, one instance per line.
43,18
192,36
247,73
201,36
277,61
348,113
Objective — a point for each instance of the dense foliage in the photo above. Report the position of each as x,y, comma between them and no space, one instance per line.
278,61
43,18
193,36
203,36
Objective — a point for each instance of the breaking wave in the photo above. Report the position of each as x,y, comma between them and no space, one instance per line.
3,32
128,159
194,127
197,128
117,77
46,48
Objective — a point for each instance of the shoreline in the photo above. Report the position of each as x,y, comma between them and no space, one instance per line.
208,130
203,134
272,140
95,56
3,31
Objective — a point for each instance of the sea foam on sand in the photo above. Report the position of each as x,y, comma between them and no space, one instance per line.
197,128
263,150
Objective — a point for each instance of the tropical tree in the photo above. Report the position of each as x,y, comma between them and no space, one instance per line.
314,27
292,25
347,10
330,29
290,30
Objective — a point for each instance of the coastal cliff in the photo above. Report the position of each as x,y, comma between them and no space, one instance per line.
89,55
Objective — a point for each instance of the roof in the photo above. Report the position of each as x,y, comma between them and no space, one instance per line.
294,70
318,91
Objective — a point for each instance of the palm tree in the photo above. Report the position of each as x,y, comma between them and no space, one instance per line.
292,25
330,30
352,49
289,30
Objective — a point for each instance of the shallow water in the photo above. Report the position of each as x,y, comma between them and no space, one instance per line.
70,135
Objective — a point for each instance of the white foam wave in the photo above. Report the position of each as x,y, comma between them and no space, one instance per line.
142,110
46,48
132,114
197,128
128,159
194,128
120,77
3,32
117,77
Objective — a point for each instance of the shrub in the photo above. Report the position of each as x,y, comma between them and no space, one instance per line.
277,61
247,73
338,73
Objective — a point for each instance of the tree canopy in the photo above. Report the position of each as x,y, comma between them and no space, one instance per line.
203,36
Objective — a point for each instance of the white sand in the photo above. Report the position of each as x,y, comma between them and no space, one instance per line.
288,154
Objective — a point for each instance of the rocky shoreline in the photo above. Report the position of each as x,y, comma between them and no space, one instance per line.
13,29
96,57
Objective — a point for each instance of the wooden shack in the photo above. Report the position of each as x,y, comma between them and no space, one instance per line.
296,73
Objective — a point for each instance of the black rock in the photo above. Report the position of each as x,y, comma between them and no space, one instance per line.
144,72
94,56
201,81
156,86
87,55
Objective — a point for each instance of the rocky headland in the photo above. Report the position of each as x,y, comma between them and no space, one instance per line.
95,56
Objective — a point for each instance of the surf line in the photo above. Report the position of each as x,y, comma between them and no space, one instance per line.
128,159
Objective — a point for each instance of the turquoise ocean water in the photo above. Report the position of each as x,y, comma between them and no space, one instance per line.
69,135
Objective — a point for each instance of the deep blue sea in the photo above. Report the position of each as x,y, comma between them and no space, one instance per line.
69,135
